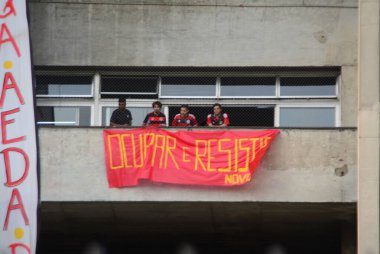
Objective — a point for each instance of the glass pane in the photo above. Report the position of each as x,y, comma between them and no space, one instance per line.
138,114
84,116
64,116
307,117
68,89
188,86
64,86
121,84
308,86
248,86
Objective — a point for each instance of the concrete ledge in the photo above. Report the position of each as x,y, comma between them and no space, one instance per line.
227,3
303,165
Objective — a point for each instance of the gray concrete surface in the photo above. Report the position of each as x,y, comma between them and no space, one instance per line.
348,96
239,3
206,33
368,128
316,165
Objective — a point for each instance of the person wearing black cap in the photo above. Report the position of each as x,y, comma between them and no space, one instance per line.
121,117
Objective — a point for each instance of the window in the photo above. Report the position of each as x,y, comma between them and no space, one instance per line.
130,87
64,116
188,87
307,116
242,115
64,86
308,86
247,86
138,114
252,96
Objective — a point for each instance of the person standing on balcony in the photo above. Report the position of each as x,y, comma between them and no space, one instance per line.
184,119
121,117
218,118
155,118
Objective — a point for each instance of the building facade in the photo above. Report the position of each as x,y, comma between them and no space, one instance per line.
288,64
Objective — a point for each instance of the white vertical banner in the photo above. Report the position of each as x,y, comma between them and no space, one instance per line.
18,148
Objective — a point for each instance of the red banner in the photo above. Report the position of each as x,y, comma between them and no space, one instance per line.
220,158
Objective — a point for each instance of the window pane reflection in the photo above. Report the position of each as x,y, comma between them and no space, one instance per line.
307,117
188,86
248,86
64,116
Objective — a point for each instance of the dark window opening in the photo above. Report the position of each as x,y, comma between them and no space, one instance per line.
308,86
253,116
64,85
130,87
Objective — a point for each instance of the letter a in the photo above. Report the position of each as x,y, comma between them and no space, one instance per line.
11,207
5,30
11,9
12,85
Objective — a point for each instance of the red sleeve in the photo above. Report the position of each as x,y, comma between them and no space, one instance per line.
174,122
226,119
195,121
208,119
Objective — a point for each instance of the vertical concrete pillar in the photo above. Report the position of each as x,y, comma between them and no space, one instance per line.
97,110
368,128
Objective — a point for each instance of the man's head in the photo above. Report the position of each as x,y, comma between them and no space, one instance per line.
184,111
156,107
217,108
122,103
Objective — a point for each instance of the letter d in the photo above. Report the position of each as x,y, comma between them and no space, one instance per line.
7,162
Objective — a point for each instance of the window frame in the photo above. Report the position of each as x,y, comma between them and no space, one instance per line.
335,105
248,97
96,103
277,95
160,96
71,104
337,86
67,96
132,103
129,93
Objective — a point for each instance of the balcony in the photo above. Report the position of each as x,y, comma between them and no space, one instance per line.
302,165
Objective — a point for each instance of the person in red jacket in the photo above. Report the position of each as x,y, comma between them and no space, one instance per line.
184,119
218,119
155,118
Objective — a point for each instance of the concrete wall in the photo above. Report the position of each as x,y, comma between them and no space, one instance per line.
194,33
348,96
301,166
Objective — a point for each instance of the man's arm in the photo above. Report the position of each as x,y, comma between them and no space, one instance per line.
209,122
145,122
